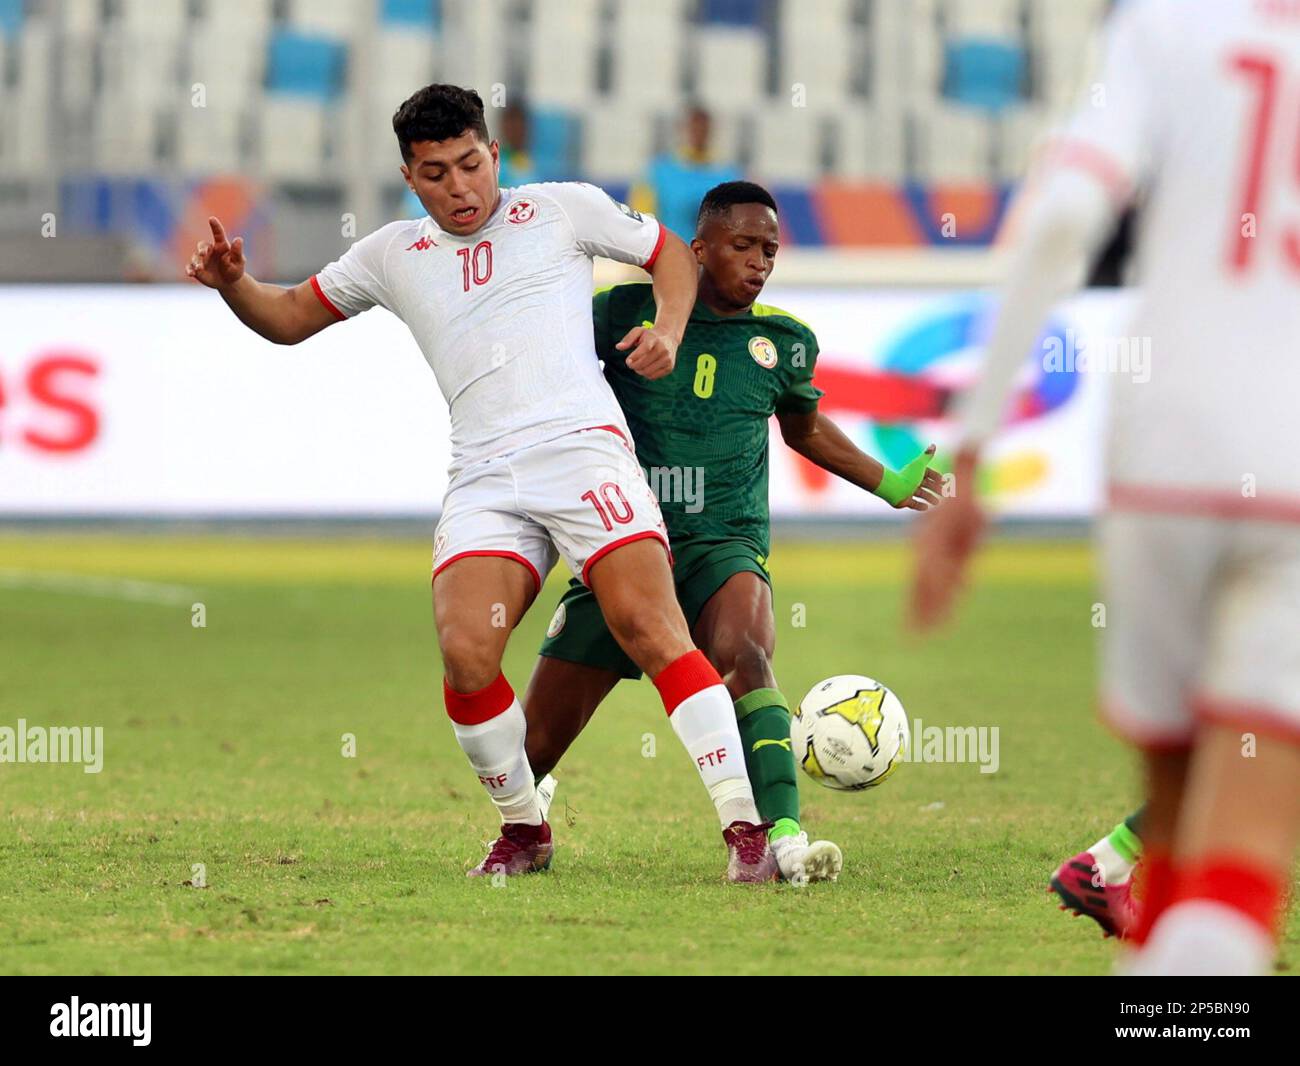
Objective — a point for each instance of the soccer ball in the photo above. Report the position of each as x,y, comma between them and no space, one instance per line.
849,732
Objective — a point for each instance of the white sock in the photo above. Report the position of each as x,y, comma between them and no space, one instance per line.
495,749
1204,938
1114,867
705,723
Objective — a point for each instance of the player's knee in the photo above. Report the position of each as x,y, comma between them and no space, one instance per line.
469,662
651,638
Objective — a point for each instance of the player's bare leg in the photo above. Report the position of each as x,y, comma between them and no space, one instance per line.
633,585
477,602
559,702
1238,826
737,631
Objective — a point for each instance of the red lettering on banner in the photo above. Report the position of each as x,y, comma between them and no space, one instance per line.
45,386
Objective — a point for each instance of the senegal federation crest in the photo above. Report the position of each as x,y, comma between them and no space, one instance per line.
763,351
557,621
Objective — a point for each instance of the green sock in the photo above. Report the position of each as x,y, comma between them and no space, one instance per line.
1126,842
764,720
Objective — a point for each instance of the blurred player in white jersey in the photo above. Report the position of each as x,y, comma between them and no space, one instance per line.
1198,115
495,285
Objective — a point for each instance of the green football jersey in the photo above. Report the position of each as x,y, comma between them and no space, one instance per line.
701,433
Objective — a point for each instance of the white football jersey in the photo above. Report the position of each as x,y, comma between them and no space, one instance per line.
503,316
1196,117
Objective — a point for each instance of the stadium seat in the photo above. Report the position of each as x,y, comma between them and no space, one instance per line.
153,18
788,145
126,135
420,15
562,51
819,48
302,64
984,18
11,17
328,18
292,138
906,52
208,141
868,144
951,144
646,53
230,67
736,13
404,61
480,57
615,144
730,68
984,72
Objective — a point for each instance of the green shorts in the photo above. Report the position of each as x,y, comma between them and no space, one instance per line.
578,634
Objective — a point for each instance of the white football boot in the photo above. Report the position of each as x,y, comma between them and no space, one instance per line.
801,862
546,793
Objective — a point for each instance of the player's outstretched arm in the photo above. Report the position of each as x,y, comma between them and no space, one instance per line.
819,440
652,350
283,316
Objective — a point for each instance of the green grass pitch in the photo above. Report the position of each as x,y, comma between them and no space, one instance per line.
224,747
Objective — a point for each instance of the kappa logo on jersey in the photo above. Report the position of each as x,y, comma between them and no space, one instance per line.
557,622
763,351
439,543
521,211
422,245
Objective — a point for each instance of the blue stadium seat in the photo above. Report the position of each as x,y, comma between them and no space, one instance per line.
984,73
732,12
11,17
301,64
421,14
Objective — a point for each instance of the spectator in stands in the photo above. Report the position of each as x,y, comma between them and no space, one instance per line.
516,164
675,184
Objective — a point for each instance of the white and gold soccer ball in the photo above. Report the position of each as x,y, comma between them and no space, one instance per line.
849,732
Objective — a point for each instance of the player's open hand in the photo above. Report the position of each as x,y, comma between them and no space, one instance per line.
929,492
945,540
219,263
653,353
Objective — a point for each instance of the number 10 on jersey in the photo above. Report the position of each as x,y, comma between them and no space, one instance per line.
476,264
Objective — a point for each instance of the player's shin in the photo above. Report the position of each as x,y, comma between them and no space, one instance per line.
490,728
763,717
704,720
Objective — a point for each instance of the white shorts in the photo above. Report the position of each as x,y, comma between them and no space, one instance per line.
1202,623
579,496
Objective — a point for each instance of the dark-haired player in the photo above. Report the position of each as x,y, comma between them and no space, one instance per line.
495,285
702,432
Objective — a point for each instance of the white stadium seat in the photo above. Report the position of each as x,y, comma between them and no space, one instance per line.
952,143
562,53
331,18
291,139
787,144
868,144
125,135
1021,131
615,144
818,52
729,69
208,140
646,53
985,18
